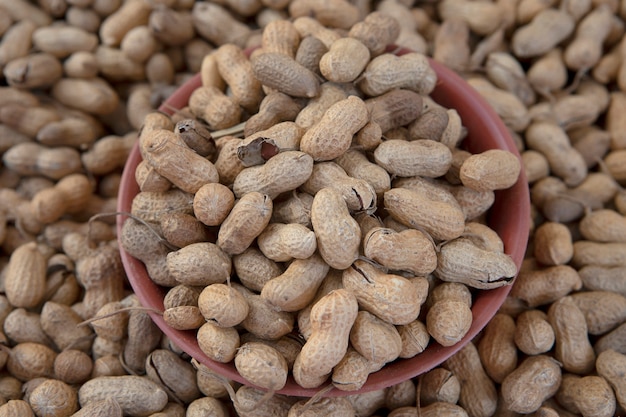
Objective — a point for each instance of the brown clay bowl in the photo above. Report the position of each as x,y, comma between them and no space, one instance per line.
509,217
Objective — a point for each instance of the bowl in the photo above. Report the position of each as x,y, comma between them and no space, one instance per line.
509,217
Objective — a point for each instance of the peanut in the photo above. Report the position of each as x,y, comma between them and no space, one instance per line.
295,288
261,365
339,236
332,318
248,218
386,72
223,305
332,135
572,347
136,395
536,379
497,348
367,283
210,264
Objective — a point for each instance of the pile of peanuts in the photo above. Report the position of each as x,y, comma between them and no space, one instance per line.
81,77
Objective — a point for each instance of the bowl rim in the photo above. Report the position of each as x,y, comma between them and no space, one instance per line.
512,226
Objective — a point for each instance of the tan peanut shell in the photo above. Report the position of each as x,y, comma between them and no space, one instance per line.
391,297
179,164
572,347
375,339
415,209
338,234
332,318
481,268
497,348
134,394
25,276
218,343
421,157
475,383
409,250
332,135
261,365
282,242
284,172
254,269
295,288
247,219
543,286
223,305
387,72
263,319
536,379
285,74
201,263
533,334
490,170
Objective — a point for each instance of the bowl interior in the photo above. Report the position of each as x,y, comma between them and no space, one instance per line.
509,217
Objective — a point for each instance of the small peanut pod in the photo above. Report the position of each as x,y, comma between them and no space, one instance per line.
591,395
223,305
283,73
345,60
552,141
572,347
586,48
351,373
263,319
553,244
135,395
25,276
332,135
566,205
533,334
212,203
358,193
386,72
70,195
451,44
392,298
250,215
439,385
611,365
140,241
546,30
275,107
335,14
39,70
394,109
377,340
168,155
417,209
93,95
214,107
409,250
460,260
544,286
357,165
507,105
376,31
280,36
449,314
218,25
329,94
338,233
282,242
599,254
261,365
201,263
332,318
415,338
497,349
218,343
284,172
491,170
254,269
33,159
527,387
603,225
506,72
421,157
603,310
475,383
235,68
295,288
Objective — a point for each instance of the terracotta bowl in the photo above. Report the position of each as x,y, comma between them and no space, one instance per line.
509,217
